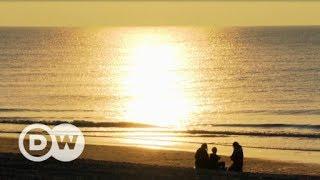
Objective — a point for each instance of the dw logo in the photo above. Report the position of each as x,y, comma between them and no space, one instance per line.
66,142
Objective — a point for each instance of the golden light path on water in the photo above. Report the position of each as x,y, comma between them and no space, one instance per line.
153,81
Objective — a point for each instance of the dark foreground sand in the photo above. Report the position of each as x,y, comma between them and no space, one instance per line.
111,162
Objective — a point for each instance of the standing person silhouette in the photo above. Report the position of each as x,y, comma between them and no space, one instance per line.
202,157
236,158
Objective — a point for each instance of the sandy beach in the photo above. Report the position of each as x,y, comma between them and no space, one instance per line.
146,97
114,162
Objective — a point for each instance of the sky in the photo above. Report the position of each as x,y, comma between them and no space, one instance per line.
129,12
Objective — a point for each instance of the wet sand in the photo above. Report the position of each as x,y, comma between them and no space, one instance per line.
139,163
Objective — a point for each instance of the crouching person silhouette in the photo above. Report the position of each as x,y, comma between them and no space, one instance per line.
214,161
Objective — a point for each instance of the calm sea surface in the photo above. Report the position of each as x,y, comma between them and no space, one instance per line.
256,85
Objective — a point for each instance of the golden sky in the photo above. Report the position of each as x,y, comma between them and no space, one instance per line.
215,13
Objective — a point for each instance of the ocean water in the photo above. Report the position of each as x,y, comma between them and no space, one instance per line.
259,86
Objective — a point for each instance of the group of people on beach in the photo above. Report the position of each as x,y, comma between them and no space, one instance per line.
204,161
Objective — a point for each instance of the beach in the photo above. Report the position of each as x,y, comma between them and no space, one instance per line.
120,162
146,98
255,85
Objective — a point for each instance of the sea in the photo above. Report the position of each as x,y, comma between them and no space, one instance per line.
168,87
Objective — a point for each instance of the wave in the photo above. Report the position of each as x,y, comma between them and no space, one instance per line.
277,112
78,123
199,133
300,126
44,110
202,133
266,134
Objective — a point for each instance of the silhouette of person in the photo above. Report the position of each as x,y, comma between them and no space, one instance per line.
202,157
214,160
236,158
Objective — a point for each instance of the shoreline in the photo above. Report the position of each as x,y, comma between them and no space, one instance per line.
293,150
170,159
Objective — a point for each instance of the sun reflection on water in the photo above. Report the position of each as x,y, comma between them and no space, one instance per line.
154,83
151,143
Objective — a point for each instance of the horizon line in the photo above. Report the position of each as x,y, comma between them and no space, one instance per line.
182,26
